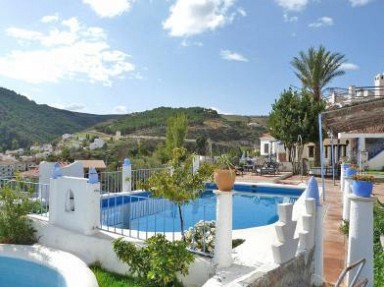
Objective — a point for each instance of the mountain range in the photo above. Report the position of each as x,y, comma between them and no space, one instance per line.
23,122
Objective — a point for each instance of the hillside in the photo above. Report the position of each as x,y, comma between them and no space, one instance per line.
224,129
23,122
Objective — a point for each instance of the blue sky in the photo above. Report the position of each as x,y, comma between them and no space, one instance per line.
123,56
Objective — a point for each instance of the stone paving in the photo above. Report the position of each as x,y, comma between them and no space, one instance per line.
335,243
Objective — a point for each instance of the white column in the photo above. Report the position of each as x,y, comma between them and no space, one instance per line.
317,277
346,201
127,175
223,240
360,240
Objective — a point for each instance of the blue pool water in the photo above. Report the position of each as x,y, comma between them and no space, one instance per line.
17,273
252,206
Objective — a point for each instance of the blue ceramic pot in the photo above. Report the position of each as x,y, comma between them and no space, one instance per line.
362,188
346,165
349,172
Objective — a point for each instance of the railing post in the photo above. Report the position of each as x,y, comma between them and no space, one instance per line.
223,239
360,239
127,175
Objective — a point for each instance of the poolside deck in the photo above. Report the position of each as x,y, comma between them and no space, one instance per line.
335,243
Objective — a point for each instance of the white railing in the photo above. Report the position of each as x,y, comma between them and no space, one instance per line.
37,192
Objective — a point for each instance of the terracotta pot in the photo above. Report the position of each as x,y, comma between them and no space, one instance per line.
224,179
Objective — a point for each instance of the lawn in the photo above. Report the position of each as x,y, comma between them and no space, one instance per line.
109,279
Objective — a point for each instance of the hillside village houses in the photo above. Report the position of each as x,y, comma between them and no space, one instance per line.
13,161
97,143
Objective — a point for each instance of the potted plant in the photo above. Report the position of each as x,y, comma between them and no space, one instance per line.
362,185
346,163
225,174
351,171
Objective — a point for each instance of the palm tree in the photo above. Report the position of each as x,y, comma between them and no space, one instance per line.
317,68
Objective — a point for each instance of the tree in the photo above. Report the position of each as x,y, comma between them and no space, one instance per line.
15,226
294,114
176,132
201,144
181,185
317,68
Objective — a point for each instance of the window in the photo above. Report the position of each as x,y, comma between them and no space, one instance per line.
266,148
344,152
70,201
311,151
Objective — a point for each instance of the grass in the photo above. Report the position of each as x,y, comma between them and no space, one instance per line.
109,279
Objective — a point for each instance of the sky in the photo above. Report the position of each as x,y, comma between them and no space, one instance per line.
125,56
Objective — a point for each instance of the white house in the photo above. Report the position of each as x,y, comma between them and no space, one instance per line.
270,147
97,143
367,149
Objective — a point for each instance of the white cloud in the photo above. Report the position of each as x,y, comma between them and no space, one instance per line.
290,19
69,50
349,67
356,3
120,110
50,18
232,56
194,17
74,107
322,22
186,43
241,11
109,8
292,5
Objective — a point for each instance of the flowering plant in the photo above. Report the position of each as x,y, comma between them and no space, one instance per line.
363,177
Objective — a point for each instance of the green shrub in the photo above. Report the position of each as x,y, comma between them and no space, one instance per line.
158,262
344,227
201,236
15,227
378,229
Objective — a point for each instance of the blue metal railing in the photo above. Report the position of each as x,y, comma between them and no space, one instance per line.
140,217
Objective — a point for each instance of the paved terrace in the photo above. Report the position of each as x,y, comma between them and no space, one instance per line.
335,243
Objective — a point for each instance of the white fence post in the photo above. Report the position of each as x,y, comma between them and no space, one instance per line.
223,240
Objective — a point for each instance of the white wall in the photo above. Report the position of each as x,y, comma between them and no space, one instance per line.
377,162
74,204
99,247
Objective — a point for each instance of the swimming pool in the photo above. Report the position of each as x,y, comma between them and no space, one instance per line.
18,272
40,266
253,205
